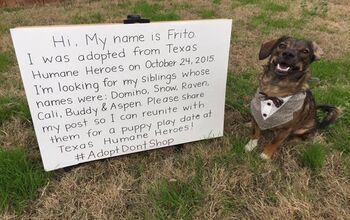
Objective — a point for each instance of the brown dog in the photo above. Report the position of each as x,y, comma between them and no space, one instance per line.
284,103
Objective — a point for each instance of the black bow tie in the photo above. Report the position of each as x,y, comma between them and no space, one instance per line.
276,101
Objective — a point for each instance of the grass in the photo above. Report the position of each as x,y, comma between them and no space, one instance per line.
333,95
13,107
177,199
173,200
266,23
88,19
274,7
20,180
154,11
138,168
240,88
313,156
4,29
335,90
184,6
229,205
233,155
247,2
269,18
237,146
332,71
206,14
11,9
315,8
339,137
5,61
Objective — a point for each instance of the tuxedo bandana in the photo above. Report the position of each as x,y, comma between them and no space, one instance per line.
270,112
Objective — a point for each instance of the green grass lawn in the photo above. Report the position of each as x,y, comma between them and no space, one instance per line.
20,180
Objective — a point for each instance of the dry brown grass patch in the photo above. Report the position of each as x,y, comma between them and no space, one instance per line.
17,133
99,191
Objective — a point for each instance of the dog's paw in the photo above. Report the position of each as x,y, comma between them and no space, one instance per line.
265,156
251,145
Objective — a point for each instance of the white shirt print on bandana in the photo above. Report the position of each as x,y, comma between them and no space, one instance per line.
268,108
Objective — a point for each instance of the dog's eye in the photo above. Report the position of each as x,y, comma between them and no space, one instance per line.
282,46
305,51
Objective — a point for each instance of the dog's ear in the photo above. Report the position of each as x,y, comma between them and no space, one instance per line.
318,52
266,49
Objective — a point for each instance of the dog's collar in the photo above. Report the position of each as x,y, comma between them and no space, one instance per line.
275,100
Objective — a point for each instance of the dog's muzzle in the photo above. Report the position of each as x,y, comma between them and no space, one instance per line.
286,62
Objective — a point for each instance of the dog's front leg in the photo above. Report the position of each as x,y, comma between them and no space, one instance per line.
271,147
253,142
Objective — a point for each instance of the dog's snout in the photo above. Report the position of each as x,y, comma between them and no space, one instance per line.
289,54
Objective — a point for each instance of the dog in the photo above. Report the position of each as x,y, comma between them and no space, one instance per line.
283,102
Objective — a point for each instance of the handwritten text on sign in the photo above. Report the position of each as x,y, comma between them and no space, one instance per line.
98,91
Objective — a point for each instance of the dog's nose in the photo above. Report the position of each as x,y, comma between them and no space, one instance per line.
289,54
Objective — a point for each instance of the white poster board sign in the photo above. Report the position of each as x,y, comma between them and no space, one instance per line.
99,91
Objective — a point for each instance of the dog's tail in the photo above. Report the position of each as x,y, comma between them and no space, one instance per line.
332,114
